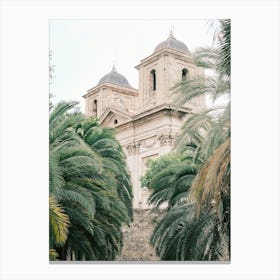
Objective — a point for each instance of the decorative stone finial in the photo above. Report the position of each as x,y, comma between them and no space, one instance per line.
114,68
171,34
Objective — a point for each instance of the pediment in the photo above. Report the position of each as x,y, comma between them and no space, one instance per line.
113,117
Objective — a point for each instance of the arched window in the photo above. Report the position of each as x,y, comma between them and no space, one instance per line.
94,106
184,73
115,121
153,80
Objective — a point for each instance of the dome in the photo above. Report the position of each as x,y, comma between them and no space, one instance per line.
172,43
115,78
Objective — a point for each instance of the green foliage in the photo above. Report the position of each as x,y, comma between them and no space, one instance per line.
197,223
181,235
172,184
197,189
157,165
225,46
90,182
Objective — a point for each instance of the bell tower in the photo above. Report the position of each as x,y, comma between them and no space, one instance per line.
158,73
114,92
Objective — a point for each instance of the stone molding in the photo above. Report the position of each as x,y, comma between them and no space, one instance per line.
164,139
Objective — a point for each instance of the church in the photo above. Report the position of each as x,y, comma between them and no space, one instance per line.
145,119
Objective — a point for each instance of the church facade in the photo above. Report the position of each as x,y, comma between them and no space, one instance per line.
145,119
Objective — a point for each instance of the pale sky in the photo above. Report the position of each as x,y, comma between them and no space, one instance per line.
83,51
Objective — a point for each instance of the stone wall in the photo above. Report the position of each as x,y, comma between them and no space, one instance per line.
137,237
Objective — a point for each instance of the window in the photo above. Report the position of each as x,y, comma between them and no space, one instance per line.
153,80
115,121
184,73
94,107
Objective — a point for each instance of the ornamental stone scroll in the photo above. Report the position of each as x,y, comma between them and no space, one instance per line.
133,148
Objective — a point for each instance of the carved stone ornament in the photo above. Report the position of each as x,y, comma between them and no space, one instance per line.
133,148
129,149
167,139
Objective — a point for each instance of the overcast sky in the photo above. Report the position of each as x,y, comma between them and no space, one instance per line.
83,51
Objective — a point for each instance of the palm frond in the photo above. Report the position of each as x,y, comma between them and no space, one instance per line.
59,222
213,177
53,255
225,45
59,110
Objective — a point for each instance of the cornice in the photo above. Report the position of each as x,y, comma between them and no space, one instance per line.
154,113
115,87
153,57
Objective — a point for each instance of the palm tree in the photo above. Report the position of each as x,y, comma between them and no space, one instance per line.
193,228
197,227
169,177
89,187
212,180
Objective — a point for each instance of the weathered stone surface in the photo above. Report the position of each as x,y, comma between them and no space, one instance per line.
137,237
